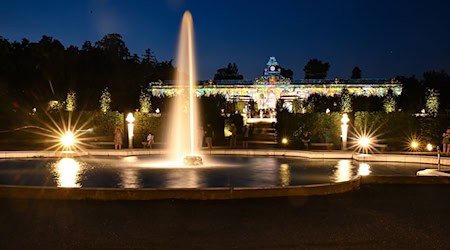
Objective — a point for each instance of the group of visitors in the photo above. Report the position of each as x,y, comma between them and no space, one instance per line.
118,139
207,134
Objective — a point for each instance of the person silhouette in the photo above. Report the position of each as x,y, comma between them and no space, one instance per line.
117,138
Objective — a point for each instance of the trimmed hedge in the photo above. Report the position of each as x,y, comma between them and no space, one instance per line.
105,123
323,127
394,129
397,129
146,123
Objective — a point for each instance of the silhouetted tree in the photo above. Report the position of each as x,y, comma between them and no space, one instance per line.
316,69
231,72
149,58
356,73
288,73
413,94
439,81
210,107
87,46
32,73
114,45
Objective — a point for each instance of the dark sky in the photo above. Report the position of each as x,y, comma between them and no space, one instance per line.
383,37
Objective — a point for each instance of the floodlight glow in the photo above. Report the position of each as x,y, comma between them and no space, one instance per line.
364,142
68,139
284,140
414,145
344,130
130,119
345,119
429,147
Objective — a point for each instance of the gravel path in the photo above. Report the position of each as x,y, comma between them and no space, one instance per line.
375,217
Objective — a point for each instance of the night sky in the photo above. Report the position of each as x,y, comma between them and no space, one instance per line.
384,38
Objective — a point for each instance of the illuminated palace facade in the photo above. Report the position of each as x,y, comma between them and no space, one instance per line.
272,86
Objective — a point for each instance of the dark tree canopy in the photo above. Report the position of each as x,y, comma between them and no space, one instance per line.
413,94
288,73
356,73
440,81
32,73
231,72
114,45
316,69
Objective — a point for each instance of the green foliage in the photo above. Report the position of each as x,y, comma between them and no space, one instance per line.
395,129
320,103
298,106
239,106
432,101
389,102
346,102
144,101
323,127
54,105
105,123
105,101
146,123
306,106
71,101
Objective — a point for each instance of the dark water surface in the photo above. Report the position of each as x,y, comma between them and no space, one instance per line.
218,171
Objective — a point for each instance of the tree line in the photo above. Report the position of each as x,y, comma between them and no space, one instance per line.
32,73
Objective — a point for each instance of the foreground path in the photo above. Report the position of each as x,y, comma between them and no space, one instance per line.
375,217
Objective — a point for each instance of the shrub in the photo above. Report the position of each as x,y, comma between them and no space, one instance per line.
323,127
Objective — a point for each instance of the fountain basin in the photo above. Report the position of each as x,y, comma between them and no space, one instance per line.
218,171
193,160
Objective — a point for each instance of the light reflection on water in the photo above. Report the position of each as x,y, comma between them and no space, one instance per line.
343,171
285,174
183,179
364,169
220,171
129,177
68,172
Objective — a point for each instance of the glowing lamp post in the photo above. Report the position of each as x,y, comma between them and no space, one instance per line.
344,129
130,119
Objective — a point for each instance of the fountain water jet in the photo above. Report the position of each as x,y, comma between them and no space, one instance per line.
184,122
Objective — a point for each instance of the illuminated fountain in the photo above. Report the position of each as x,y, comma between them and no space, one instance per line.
185,168
184,112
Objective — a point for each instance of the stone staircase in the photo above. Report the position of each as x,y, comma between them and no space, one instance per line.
262,135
